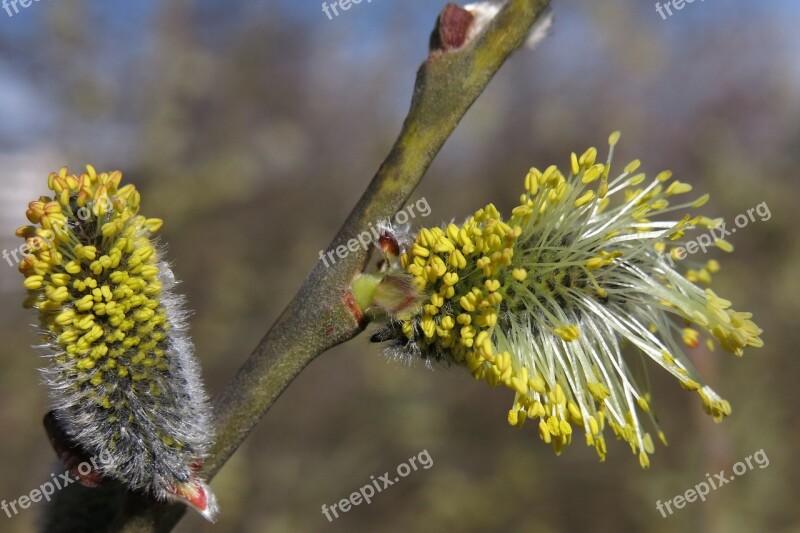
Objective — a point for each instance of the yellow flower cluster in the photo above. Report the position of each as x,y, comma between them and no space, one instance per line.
93,277
122,374
465,265
471,267
540,302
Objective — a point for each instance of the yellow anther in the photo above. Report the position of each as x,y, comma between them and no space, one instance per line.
643,404
592,174
73,267
588,157
644,460
676,187
701,201
599,391
519,274
544,432
153,224
724,245
482,336
559,396
663,176
420,251
466,304
573,164
631,167
450,278
457,260
568,333
574,412
33,283
532,181
538,383
587,197
634,181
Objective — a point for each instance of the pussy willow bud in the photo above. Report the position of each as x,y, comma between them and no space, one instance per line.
124,382
542,302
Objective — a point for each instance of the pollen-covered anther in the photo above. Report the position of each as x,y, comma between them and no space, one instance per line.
691,337
568,333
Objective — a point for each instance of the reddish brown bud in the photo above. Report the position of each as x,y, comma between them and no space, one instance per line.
389,244
451,29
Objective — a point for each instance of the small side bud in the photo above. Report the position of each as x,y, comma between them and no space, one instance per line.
388,243
391,293
452,28
197,495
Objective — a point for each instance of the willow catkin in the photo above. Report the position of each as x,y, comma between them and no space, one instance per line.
123,379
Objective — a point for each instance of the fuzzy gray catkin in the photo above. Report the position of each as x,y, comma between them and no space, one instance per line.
123,378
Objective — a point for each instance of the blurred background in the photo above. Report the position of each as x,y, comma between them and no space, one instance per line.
238,120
